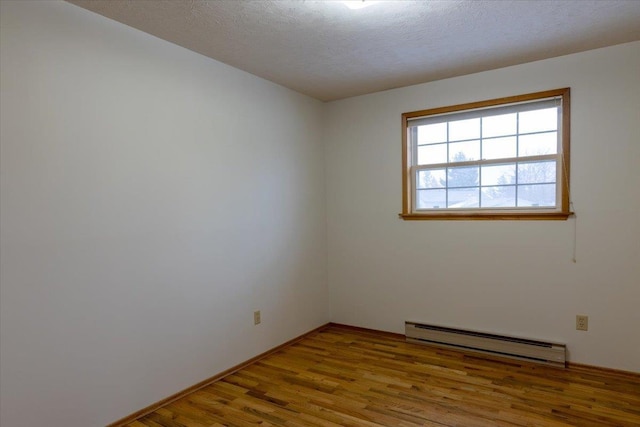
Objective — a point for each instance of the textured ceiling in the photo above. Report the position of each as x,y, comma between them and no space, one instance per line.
327,51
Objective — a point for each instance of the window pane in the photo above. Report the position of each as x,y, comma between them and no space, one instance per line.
463,151
538,120
432,154
434,178
431,134
537,195
463,177
536,172
464,198
538,143
498,174
498,197
464,129
499,148
432,199
505,124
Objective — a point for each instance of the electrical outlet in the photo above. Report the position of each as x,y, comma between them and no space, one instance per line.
256,317
582,323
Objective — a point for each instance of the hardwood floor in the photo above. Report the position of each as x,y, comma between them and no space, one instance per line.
343,377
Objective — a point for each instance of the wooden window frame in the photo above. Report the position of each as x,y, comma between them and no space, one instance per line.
561,212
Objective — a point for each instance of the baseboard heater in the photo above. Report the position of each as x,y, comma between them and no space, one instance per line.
481,342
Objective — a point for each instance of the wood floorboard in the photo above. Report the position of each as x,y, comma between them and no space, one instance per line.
343,377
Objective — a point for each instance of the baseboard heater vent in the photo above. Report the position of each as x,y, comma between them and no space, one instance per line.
481,342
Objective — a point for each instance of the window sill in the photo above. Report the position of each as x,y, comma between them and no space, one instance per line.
470,216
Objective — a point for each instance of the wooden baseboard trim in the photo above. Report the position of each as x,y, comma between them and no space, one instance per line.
361,330
157,405
590,369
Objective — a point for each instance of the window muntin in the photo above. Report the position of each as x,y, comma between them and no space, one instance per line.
500,158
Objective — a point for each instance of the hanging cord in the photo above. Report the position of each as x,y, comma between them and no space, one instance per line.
574,257
575,233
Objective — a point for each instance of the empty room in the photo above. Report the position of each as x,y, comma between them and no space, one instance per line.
319,213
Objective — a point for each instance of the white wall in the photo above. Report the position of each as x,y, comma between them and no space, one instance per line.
504,276
152,198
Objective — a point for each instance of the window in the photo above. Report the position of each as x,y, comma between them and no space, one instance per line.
505,158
